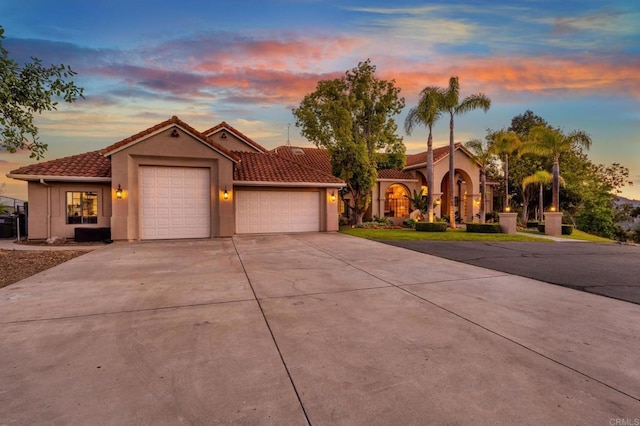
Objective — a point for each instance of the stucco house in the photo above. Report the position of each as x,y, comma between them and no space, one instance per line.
171,181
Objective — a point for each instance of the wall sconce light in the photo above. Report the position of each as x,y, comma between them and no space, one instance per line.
175,134
438,202
333,196
119,192
225,194
477,201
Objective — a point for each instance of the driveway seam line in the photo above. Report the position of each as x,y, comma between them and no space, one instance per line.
483,327
132,311
273,337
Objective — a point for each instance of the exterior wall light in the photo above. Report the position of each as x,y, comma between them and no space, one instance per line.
225,194
333,196
438,201
119,192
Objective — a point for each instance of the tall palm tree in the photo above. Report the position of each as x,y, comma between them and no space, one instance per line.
427,113
504,144
541,178
546,141
452,105
482,154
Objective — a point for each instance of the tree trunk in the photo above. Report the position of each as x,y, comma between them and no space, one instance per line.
483,188
452,172
525,206
430,177
541,203
506,182
556,184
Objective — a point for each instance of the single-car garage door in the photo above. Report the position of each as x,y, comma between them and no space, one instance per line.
174,202
277,211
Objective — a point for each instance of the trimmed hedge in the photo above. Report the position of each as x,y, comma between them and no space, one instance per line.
431,227
532,224
566,228
484,228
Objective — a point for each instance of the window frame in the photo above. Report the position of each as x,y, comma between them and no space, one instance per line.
79,205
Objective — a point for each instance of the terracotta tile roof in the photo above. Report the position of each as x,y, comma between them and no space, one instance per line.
395,174
269,167
438,154
316,158
173,120
230,128
90,164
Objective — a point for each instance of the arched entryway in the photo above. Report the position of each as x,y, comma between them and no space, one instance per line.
396,203
463,192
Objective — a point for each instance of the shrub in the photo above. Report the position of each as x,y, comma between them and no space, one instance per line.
431,227
484,228
532,224
411,223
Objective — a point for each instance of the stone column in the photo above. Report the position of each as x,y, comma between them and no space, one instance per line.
508,222
553,223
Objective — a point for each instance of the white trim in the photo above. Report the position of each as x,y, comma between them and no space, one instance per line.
288,184
59,178
157,132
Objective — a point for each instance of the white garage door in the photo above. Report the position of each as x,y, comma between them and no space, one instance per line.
174,202
277,211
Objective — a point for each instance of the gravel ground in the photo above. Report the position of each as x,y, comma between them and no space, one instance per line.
16,265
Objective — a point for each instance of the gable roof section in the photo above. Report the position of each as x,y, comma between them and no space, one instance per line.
316,158
246,139
160,127
90,165
420,159
268,168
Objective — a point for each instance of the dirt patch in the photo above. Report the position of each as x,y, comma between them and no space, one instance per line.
17,265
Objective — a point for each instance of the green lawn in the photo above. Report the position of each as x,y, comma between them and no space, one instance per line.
577,235
450,235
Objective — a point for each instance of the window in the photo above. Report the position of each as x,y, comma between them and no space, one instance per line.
396,203
82,207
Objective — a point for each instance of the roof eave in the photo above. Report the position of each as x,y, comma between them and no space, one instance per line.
58,178
288,184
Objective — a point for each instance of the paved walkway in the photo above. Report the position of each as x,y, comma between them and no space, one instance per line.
320,329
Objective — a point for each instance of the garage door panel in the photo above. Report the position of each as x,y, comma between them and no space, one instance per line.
277,211
175,202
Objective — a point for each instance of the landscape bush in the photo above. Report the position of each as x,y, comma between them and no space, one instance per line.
431,227
484,228
532,224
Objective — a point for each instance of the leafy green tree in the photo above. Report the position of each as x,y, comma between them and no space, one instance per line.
550,142
452,105
352,117
504,144
483,155
427,112
28,90
522,124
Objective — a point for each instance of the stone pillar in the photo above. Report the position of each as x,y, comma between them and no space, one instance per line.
508,222
553,223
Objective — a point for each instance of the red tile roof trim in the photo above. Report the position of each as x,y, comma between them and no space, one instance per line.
268,167
90,164
231,129
161,126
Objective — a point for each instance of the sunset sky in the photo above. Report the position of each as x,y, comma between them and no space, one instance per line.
576,63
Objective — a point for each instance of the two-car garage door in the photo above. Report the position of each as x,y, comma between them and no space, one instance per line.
175,202
277,211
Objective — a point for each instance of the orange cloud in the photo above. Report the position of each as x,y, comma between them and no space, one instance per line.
552,76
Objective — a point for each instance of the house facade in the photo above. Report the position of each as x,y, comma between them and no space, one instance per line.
173,182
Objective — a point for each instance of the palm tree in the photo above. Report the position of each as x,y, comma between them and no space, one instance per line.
504,144
451,104
541,178
483,155
551,142
426,112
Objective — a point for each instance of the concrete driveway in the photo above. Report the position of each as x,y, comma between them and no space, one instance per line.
321,329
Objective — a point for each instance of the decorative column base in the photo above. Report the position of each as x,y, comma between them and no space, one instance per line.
508,223
553,223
